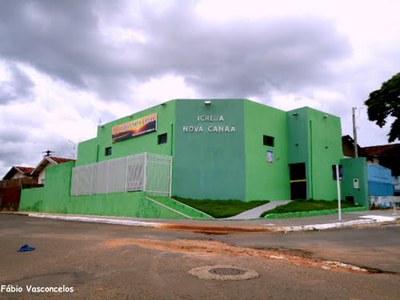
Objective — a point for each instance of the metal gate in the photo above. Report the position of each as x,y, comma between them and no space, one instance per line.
146,172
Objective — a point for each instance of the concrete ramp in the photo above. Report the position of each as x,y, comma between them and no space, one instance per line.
256,212
178,208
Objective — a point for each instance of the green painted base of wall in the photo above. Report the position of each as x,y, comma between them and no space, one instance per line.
55,197
31,199
313,213
116,204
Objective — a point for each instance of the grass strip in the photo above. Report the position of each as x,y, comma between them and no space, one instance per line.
221,208
313,213
307,205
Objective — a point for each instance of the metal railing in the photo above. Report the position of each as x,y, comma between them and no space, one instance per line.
146,172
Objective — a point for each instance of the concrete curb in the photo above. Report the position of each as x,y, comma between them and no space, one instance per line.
364,220
96,220
369,219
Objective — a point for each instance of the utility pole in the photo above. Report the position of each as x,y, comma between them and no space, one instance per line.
355,133
339,201
73,148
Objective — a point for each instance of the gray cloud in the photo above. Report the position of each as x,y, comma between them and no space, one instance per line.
12,134
261,60
18,148
57,38
233,59
241,58
18,87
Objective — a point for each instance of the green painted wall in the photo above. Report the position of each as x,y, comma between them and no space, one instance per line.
218,153
232,165
315,139
298,136
326,150
87,152
54,197
209,164
355,168
93,150
32,199
266,180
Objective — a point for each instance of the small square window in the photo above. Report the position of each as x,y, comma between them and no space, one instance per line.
108,151
268,140
162,138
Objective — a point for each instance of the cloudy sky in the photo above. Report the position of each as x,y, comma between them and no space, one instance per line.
65,66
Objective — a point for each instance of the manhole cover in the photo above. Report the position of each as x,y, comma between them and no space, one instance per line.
221,272
227,271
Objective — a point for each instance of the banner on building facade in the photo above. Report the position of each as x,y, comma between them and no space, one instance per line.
134,128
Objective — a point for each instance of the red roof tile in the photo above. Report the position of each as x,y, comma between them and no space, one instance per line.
25,170
20,169
61,160
381,150
50,160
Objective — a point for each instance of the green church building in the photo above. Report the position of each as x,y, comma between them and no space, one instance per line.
200,149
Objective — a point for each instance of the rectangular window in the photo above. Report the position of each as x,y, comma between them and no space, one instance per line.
268,140
270,156
340,172
162,138
108,151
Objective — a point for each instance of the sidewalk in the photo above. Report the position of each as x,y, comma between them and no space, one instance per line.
257,211
323,222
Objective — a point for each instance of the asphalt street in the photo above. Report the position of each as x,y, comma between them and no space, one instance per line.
100,261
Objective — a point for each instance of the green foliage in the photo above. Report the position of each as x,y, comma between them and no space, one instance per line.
221,208
307,205
385,102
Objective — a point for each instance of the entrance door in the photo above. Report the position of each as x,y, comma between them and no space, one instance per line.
298,181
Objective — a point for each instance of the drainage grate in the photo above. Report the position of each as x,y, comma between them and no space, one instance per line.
227,271
222,272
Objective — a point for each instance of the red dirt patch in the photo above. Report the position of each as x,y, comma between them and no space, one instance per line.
202,247
213,229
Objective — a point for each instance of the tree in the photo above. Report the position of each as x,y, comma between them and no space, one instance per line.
385,102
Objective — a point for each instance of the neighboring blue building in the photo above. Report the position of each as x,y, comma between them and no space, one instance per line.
380,181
